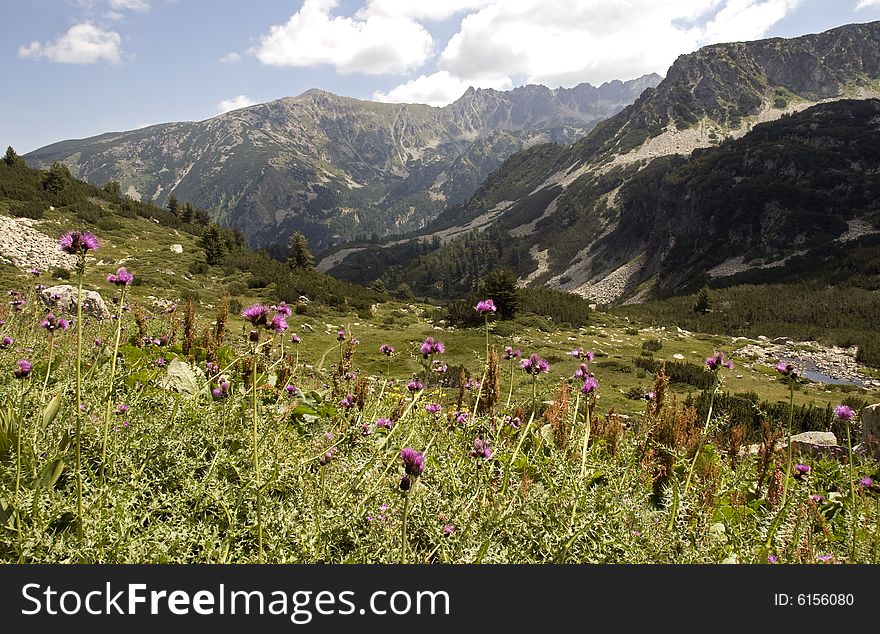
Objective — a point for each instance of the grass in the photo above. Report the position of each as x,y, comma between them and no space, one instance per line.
179,479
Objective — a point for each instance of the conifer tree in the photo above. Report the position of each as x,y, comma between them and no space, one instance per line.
298,254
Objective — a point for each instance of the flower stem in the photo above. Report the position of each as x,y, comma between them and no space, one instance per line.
715,386
788,439
109,404
852,493
510,391
403,541
256,458
78,403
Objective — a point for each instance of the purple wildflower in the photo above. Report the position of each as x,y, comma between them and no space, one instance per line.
78,242
121,277
439,368
414,385
291,390
825,558
295,338
867,482
513,421
413,461
340,335
384,423
386,349
844,413
802,469
534,365
510,354
581,354
160,362
347,402
327,457
481,449
817,499
6,343
257,314
51,323
122,408
279,324
717,361
283,309
35,272
772,559
582,372
448,529
472,384
590,385
485,306
433,408
785,369
462,417
430,346
24,369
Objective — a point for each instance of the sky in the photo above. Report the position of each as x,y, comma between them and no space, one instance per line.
77,68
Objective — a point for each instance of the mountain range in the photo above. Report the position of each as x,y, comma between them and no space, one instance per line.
713,174
333,167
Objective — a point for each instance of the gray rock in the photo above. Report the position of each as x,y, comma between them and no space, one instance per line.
176,248
63,298
870,417
824,438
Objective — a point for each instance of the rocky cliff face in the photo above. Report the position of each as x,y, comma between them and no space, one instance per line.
622,214
334,167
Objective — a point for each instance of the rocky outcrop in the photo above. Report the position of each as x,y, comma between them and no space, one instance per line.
62,298
27,248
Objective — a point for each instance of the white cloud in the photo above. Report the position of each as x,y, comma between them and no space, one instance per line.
864,4
83,43
239,101
438,89
365,43
131,5
230,58
438,10
565,42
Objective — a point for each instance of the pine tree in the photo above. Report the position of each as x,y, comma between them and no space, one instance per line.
173,205
298,254
11,158
56,179
188,213
500,286
213,245
113,189
703,302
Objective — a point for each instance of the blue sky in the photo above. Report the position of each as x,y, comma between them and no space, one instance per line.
76,68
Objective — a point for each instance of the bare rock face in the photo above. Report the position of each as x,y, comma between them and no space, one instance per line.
62,298
176,248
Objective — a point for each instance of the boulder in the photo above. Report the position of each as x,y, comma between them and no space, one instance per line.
176,248
817,443
870,417
62,298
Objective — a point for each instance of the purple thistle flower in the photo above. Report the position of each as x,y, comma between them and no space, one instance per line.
514,422
51,323
386,349
413,461
327,457
485,306
279,324
772,559
802,469
472,384
405,483
384,423
78,242
867,482
257,314
817,499
590,385
510,354
217,393
414,385
283,309
825,558
347,402
160,362
582,372
340,335
844,413
534,365
295,338
430,346
581,354
6,343
122,408
212,368
433,408
717,361
481,449
439,368
365,429
462,417
291,390
24,369
121,278
785,369
35,272
448,529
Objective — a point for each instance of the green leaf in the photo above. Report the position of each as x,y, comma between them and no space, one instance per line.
51,472
180,378
51,410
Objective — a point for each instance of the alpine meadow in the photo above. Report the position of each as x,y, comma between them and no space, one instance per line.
629,321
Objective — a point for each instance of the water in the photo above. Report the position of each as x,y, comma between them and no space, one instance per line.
811,372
